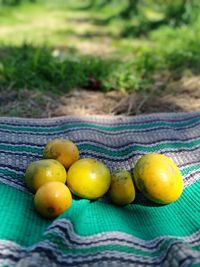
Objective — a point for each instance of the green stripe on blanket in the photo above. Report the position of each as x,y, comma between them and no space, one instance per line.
97,233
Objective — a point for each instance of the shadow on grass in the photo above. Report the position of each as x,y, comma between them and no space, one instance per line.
56,71
62,69
87,34
132,28
96,5
80,20
49,69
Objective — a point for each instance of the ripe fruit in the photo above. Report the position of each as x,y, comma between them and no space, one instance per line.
158,178
122,190
63,150
42,171
52,198
88,178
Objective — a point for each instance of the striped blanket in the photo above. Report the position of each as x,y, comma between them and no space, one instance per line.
97,233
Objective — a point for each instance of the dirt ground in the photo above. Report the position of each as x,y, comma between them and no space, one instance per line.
182,95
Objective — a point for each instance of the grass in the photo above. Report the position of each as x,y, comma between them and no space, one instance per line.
39,67
60,45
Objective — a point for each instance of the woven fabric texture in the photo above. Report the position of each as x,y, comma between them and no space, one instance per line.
97,233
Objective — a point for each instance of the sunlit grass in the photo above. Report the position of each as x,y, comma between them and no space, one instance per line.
60,33
48,23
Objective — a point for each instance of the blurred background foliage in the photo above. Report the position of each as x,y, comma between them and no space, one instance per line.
123,45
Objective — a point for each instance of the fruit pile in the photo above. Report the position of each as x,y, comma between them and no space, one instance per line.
62,173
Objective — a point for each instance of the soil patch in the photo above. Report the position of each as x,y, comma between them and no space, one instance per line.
183,95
